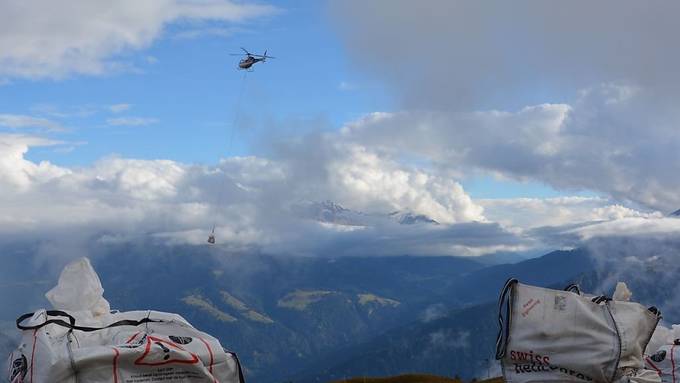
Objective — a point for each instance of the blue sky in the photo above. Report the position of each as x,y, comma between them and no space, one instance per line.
190,85
116,118
183,90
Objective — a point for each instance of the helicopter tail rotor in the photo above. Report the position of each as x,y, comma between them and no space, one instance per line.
264,56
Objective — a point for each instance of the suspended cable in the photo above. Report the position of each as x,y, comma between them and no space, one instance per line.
232,133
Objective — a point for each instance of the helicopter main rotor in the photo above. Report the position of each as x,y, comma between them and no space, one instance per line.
264,56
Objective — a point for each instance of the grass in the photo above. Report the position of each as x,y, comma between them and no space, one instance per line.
412,378
207,306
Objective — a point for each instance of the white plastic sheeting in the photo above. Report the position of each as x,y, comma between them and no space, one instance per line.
79,289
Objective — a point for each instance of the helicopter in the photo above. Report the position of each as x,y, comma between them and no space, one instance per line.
244,64
250,59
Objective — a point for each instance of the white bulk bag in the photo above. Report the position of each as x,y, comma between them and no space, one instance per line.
138,346
666,362
82,342
638,376
562,336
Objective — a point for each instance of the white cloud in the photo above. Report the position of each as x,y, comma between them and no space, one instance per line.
449,339
587,107
631,226
641,251
42,38
117,108
251,200
347,86
433,312
618,212
369,178
131,121
60,112
151,59
19,174
463,55
202,32
20,121
611,140
527,213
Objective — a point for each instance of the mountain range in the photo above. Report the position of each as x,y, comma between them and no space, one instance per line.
289,317
316,319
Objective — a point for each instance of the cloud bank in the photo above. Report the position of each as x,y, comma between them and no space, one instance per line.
495,88
453,55
253,201
577,95
605,141
46,39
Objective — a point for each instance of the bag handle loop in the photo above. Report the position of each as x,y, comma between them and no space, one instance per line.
504,322
71,324
574,288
